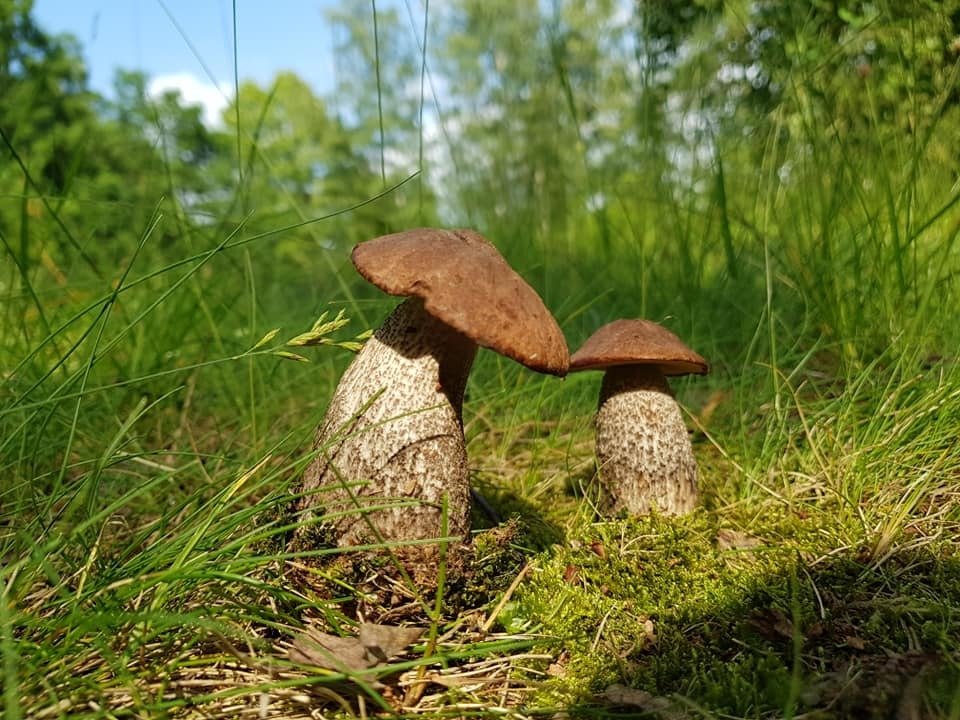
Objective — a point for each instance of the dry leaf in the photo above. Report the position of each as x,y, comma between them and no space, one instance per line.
649,632
383,642
329,651
374,645
772,623
624,696
556,670
855,642
735,540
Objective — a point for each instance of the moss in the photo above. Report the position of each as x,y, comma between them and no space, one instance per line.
661,605
496,560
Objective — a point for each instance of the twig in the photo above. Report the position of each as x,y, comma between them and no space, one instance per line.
506,597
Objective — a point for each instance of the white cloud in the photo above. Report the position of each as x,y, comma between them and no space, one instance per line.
194,91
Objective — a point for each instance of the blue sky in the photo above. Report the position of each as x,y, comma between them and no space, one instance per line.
272,35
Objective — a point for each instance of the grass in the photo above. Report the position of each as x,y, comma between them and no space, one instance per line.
150,446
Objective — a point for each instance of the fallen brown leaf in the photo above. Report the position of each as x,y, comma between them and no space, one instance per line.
736,540
855,642
624,696
772,623
649,632
374,645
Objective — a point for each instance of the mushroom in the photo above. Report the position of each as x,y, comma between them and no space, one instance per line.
645,457
394,429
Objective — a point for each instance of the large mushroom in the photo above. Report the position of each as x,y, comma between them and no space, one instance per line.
645,456
392,440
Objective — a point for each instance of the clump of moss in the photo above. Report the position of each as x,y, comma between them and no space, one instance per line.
741,622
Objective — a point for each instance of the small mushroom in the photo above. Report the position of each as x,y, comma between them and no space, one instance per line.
394,429
643,449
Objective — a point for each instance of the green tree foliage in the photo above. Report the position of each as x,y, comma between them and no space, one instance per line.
46,106
563,123
378,77
380,98
297,161
95,169
86,173
180,148
519,94
45,119
864,62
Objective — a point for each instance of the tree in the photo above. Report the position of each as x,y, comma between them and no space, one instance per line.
297,161
46,104
861,66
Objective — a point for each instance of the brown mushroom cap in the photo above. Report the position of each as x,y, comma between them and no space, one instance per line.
637,342
465,282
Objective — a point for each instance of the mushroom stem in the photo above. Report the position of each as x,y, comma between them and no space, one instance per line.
646,459
394,425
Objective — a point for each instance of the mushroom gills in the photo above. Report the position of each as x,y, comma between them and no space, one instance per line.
394,425
645,456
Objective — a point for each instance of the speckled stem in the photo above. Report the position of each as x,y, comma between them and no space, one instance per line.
643,448
394,423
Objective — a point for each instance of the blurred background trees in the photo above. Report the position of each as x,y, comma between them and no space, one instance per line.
659,133
553,108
